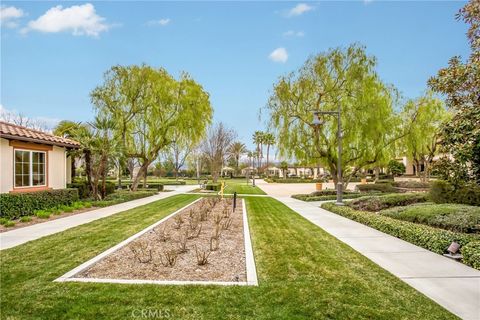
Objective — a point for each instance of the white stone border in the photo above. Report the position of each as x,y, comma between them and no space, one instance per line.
249,260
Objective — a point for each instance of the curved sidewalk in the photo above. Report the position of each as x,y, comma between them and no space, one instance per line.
451,284
19,236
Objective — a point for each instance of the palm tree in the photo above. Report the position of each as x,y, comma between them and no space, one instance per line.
235,151
284,167
70,130
250,156
258,137
268,140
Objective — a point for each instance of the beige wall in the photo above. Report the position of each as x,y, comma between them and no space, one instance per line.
56,171
6,166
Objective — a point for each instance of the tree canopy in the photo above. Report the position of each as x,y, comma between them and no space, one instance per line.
344,77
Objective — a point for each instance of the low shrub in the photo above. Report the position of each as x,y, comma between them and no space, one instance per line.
454,217
84,190
471,254
325,195
293,180
16,205
444,192
122,196
43,214
3,221
433,239
213,186
377,187
25,219
9,224
411,184
377,203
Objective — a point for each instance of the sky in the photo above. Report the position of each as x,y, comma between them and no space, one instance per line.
54,53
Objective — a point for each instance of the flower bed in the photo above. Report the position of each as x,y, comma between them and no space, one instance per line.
203,242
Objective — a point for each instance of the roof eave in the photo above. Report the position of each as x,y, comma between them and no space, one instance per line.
52,143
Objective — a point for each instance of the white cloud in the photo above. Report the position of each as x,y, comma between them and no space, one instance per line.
79,20
161,22
279,55
9,16
299,9
291,33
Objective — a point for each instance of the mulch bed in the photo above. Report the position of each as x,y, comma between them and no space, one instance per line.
146,257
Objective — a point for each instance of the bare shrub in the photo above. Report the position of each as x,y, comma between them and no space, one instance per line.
227,223
168,258
141,252
202,256
217,231
226,212
204,214
178,221
162,234
214,244
193,233
217,218
182,242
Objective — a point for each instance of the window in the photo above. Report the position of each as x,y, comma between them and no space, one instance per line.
30,168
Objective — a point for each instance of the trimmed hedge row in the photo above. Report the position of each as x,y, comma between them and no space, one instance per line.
213,186
16,205
307,197
377,203
83,188
123,196
471,254
433,239
378,187
444,192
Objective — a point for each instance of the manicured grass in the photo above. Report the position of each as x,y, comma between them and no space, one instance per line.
455,217
240,187
304,273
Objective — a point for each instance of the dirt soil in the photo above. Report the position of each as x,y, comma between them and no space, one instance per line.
146,257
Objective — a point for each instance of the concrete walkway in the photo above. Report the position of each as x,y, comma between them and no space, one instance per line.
19,236
451,284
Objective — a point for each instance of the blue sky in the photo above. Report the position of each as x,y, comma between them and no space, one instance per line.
51,60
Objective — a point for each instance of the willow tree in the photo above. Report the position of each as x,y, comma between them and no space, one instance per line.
339,77
423,141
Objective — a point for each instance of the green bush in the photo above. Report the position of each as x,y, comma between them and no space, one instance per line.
9,224
84,191
377,203
3,221
156,186
411,184
213,186
433,239
293,180
444,192
123,196
43,214
16,205
25,219
454,217
471,254
325,195
377,187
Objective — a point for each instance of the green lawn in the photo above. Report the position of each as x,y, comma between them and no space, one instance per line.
240,187
304,273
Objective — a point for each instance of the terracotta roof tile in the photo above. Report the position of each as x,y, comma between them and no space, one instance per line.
13,131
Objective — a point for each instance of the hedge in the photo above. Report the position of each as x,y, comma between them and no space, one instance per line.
411,184
471,254
377,203
124,196
379,187
16,205
213,186
84,191
307,197
444,192
433,239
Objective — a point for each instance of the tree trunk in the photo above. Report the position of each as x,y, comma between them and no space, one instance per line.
141,173
72,168
377,173
88,169
268,151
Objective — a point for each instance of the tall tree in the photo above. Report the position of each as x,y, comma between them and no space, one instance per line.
268,140
460,83
258,137
69,129
339,77
215,147
423,139
181,148
235,151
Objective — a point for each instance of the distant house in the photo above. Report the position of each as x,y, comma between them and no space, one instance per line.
32,160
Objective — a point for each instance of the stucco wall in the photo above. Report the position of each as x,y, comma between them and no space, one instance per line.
56,171
6,166
56,168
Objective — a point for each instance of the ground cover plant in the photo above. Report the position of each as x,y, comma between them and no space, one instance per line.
304,273
377,203
208,234
455,217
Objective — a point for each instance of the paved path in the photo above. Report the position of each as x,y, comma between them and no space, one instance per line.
453,285
19,236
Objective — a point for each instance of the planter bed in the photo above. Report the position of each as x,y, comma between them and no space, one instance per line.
145,256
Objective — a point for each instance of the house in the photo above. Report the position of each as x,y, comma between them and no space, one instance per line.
32,160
